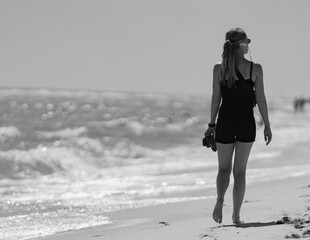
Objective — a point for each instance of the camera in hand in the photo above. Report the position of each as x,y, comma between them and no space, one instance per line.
209,142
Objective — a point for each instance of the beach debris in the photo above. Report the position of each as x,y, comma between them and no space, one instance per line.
307,232
287,219
298,224
284,220
96,236
302,224
164,223
205,235
294,235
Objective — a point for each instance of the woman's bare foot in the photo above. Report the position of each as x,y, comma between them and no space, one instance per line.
236,220
217,212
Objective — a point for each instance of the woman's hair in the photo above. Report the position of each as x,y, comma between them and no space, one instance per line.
229,57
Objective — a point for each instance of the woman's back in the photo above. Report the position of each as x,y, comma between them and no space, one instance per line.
241,94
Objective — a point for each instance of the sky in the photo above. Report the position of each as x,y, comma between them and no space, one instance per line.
149,45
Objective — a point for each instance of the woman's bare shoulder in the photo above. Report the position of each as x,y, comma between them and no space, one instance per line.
217,68
257,71
257,67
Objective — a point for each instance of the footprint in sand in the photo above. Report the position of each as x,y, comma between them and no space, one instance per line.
206,236
164,224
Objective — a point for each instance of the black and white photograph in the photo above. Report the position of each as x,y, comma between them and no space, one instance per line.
154,119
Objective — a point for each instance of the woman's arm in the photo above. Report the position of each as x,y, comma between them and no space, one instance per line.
262,103
216,97
216,93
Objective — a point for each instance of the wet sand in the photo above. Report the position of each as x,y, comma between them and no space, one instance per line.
276,209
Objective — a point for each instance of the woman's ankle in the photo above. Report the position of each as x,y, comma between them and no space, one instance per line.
235,217
220,201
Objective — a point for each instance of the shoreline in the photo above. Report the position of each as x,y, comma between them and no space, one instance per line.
279,190
265,203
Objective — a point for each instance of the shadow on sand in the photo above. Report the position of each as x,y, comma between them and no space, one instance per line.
253,224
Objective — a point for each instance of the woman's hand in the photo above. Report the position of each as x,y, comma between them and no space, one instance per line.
267,135
210,131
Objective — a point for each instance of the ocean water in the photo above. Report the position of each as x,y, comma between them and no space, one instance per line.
69,157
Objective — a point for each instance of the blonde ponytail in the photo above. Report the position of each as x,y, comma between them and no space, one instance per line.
229,57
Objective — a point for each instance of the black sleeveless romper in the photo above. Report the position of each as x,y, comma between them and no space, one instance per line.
236,120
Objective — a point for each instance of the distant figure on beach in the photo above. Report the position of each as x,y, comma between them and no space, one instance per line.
237,87
299,104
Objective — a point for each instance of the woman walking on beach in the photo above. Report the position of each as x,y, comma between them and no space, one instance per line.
237,87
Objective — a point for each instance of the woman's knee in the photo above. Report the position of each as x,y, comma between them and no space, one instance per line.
225,170
239,173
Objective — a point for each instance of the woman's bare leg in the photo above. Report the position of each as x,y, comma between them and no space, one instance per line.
224,152
242,152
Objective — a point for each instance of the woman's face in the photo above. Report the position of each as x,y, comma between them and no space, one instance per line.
244,45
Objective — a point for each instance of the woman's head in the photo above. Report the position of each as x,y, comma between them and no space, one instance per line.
237,39
236,44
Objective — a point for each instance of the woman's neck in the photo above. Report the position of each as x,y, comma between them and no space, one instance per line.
240,59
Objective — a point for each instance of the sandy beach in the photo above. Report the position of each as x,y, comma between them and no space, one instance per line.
272,210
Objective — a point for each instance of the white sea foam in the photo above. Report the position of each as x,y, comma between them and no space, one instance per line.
64,133
9,131
277,173
264,155
41,160
47,223
136,127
